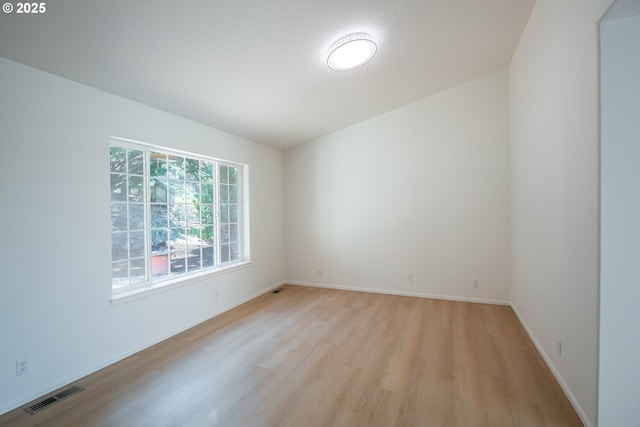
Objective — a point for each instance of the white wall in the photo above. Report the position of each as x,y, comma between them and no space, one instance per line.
554,173
423,189
55,262
620,223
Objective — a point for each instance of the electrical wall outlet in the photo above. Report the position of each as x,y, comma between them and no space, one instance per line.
22,366
476,283
410,278
559,347
319,272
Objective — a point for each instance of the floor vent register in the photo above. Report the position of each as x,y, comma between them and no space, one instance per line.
52,400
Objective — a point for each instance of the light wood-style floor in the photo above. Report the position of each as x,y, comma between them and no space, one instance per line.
320,357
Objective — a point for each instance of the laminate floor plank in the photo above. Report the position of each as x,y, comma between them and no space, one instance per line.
324,357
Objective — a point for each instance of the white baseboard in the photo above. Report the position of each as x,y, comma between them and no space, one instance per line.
247,299
401,293
545,357
565,388
10,406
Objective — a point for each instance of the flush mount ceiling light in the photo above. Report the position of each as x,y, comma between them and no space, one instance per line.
351,51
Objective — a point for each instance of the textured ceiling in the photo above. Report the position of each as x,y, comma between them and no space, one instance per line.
257,68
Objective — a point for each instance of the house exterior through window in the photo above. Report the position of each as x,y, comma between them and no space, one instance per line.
173,214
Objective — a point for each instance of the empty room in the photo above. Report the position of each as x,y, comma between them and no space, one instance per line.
320,213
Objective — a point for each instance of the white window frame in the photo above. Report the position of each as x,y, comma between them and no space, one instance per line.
154,285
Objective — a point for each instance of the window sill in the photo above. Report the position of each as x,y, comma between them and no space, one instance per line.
166,285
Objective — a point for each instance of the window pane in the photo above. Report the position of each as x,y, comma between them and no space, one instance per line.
207,214
233,193
176,191
193,215
224,253
136,189
193,245
159,217
224,212
120,273
136,244
194,261
194,236
233,213
207,193
207,257
193,169
192,192
206,172
224,193
159,240
178,265
136,216
118,187
233,232
233,175
137,270
158,188
118,217
176,167
157,164
118,157
224,174
136,162
160,265
119,246
177,240
207,235
174,230
177,216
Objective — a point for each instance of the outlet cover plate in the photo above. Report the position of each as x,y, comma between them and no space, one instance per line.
22,366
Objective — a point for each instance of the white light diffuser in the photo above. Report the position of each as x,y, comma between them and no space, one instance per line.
351,51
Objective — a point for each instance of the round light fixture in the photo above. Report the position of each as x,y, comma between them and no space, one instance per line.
351,51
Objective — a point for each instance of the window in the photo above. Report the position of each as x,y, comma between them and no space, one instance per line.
172,215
